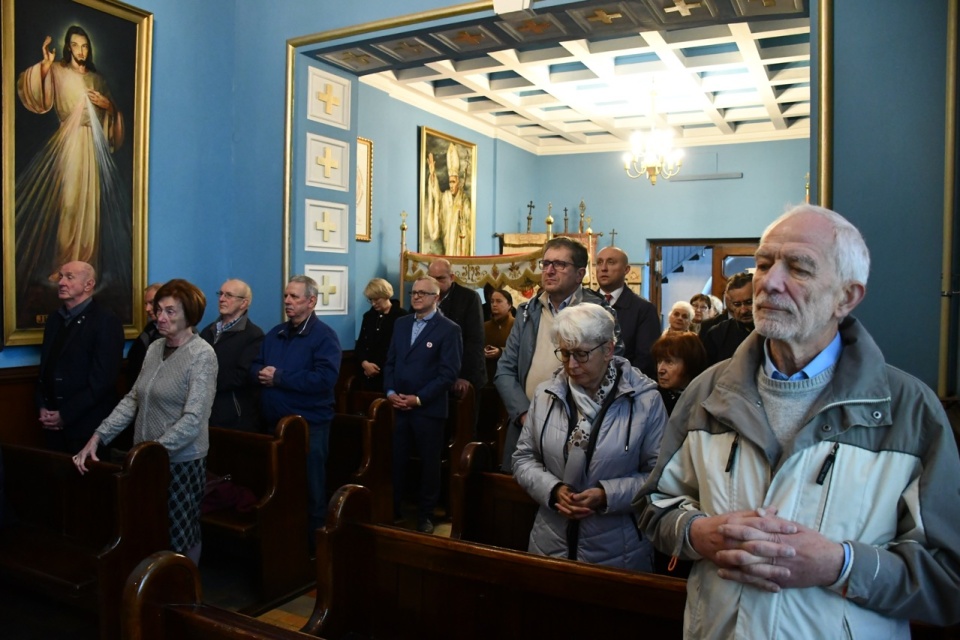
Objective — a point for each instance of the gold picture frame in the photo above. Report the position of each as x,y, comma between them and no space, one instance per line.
364,212
72,191
448,212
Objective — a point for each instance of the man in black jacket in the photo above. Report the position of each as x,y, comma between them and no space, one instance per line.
638,318
79,362
236,341
463,306
723,338
138,348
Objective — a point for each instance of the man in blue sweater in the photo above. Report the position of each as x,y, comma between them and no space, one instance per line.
297,369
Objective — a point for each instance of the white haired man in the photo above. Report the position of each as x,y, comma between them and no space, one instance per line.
814,485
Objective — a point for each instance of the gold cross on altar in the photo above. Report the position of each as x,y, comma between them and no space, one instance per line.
326,290
602,16
683,7
327,162
326,226
328,99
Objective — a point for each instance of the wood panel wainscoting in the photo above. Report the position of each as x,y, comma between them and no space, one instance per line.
19,424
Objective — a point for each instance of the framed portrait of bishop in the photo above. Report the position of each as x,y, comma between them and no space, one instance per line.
448,194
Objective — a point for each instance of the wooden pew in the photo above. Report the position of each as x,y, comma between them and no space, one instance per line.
162,599
421,586
274,468
487,507
360,453
493,417
75,538
352,397
458,432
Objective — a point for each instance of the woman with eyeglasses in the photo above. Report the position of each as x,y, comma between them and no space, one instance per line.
376,330
590,440
702,310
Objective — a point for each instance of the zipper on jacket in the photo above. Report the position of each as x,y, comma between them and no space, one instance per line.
733,453
827,464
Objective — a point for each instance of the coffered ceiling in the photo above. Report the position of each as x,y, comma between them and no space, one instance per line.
582,77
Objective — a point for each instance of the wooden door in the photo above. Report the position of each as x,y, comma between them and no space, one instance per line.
730,259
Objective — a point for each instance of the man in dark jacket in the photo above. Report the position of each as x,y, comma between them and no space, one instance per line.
236,341
138,348
297,370
722,339
463,306
638,318
79,362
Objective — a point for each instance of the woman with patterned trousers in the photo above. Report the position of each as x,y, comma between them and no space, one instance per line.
170,403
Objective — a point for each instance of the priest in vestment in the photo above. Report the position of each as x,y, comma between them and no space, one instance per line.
449,218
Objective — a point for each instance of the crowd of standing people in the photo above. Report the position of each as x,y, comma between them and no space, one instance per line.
808,485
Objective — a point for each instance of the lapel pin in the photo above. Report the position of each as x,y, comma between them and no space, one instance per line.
429,345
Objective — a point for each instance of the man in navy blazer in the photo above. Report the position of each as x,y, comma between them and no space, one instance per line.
638,318
79,362
422,365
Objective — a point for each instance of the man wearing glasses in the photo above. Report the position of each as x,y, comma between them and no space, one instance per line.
422,365
722,339
236,341
528,357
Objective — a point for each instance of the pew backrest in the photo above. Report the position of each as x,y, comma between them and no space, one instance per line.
487,507
162,599
360,453
432,587
273,467
75,538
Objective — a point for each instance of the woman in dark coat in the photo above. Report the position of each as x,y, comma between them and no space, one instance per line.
376,331
680,358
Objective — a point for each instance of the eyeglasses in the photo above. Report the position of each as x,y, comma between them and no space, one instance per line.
421,294
700,307
580,356
230,296
559,265
744,303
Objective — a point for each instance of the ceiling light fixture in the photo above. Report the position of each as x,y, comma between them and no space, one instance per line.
651,153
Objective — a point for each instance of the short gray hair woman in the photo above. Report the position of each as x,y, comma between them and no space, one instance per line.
680,318
590,440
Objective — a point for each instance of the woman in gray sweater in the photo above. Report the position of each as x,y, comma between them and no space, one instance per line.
170,403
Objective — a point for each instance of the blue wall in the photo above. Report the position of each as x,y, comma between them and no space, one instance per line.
216,161
773,181
888,166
